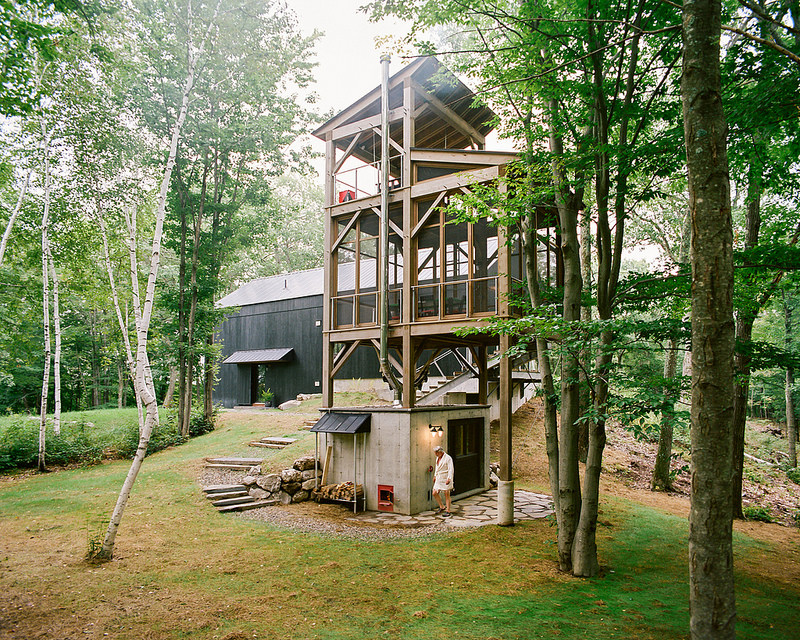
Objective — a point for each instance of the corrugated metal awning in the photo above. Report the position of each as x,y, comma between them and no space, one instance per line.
343,423
259,356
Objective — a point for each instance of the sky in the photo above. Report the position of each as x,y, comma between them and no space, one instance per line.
349,61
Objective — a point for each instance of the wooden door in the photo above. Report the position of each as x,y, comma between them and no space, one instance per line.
465,445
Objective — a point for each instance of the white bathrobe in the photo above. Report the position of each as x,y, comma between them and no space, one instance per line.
443,473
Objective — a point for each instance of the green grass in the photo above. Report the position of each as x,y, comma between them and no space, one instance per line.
182,570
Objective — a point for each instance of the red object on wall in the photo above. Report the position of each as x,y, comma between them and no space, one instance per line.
385,497
346,196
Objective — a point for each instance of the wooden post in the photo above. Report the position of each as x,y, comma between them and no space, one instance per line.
483,378
505,485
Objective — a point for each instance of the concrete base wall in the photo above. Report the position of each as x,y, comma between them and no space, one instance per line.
398,451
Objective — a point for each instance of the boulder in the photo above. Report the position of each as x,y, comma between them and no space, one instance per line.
309,485
258,494
300,496
254,471
270,482
249,480
304,463
285,498
289,404
291,475
291,487
308,474
493,479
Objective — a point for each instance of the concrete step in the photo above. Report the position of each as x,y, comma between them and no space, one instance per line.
230,494
234,467
227,502
266,445
278,440
255,504
223,488
240,461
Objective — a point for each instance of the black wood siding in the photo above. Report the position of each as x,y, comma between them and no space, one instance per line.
294,323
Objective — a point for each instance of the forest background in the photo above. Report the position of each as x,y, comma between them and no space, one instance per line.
123,123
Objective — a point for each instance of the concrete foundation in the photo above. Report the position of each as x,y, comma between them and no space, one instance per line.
397,453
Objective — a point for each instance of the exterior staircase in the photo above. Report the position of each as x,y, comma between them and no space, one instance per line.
273,442
233,497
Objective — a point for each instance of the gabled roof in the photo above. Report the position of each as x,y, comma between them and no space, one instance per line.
287,286
431,130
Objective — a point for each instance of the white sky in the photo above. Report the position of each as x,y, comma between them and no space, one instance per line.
349,60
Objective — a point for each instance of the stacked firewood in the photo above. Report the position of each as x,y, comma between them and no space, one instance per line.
342,491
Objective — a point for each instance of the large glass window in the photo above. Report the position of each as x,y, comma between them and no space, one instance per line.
456,265
356,258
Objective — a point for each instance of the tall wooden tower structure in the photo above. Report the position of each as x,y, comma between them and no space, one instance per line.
440,274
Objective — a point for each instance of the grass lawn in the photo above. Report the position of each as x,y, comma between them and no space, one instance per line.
182,570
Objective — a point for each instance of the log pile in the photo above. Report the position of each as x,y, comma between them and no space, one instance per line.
341,492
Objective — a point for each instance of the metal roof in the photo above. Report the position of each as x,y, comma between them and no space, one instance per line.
260,356
430,130
298,284
343,423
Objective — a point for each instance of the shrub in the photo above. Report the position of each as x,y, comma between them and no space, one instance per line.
754,512
19,444
793,475
166,434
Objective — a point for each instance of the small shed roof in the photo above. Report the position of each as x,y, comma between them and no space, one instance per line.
260,356
343,423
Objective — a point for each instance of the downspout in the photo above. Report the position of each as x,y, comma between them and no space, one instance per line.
384,232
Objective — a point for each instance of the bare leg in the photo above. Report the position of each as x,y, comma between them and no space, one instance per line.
439,500
447,499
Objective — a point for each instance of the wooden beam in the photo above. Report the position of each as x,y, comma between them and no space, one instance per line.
365,124
346,230
347,153
454,181
450,116
428,214
463,156
343,356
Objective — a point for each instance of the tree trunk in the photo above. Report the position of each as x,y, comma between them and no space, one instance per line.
711,594
661,477
14,213
586,316
169,396
791,418
208,386
745,318
57,355
45,304
144,312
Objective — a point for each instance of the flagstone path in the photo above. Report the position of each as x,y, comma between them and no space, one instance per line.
475,511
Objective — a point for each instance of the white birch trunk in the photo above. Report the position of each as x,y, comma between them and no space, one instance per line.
14,214
144,381
45,303
57,355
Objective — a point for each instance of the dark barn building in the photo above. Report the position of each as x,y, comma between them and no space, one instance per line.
273,340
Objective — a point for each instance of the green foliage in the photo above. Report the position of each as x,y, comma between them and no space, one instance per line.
19,444
793,475
760,514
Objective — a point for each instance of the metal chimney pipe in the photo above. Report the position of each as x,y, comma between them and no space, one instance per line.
384,232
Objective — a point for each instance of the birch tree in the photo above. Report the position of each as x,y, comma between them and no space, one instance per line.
199,35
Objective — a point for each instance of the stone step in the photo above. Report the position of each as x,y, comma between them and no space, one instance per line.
241,461
248,505
226,502
234,467
309,423
278,440
230,494
222,488
266,445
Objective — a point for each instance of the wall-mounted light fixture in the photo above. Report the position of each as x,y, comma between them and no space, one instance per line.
436,430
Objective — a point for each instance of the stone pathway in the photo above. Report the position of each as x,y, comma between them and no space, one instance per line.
475,511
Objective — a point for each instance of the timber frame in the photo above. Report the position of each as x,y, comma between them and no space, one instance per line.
437,131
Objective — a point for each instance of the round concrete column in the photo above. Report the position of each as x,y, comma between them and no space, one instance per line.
505,503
